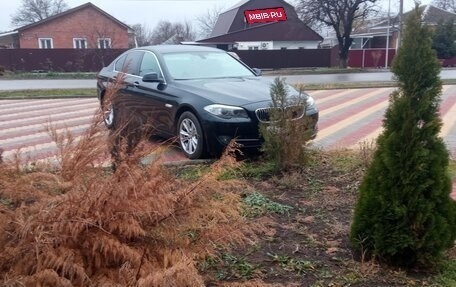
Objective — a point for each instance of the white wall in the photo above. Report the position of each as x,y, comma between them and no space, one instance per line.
277,45
265,45
296,45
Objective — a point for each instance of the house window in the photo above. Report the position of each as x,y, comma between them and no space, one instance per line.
79,43
45,43
104,43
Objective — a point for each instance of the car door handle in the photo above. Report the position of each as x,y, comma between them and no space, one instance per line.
136,84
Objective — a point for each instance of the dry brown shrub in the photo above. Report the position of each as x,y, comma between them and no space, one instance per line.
178,271
130,227
366,151
257,283
75,155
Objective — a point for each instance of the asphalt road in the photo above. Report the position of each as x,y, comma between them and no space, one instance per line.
10,85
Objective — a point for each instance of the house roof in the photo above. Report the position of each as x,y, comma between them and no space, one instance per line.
374,27
433,15
69,11
233,19
291,30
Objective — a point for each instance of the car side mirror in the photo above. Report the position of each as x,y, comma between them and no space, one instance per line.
151,78
257,71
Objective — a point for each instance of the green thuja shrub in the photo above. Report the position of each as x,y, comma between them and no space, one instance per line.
287,131
404,215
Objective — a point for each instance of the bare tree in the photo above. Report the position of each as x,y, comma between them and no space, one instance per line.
447,5
32,11
184,32
206,22
143,34
172,33
162,32
338,14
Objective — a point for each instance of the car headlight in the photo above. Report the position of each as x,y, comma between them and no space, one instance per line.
226,112
310,103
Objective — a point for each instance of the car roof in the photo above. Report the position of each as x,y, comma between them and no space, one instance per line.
163,49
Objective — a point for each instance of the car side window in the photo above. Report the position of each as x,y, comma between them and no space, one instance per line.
150,64
119,63
132,62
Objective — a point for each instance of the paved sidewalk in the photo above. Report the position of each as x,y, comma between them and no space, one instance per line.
453,192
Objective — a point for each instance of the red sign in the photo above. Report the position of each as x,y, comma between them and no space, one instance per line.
265,15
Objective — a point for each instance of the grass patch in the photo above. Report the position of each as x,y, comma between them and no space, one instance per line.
447,277
256,170
192,173
229,267
358,85
291,264
52,93
256,204
316,71
452,168
346,85
48,75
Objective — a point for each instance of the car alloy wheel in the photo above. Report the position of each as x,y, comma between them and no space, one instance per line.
190,135
108,114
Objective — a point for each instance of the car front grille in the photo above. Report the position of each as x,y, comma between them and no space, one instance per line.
290,112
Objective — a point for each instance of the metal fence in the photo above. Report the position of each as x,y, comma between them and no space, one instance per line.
59,60
92,60
89,60
370,58
277,59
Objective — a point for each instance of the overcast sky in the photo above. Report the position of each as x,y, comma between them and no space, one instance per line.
150,12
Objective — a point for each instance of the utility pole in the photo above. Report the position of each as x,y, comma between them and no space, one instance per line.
388,35
401,12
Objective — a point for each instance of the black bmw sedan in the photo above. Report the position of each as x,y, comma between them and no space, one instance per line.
203,96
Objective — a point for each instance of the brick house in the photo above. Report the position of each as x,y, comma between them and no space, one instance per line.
231,30
82,27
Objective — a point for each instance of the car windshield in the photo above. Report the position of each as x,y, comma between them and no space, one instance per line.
200,65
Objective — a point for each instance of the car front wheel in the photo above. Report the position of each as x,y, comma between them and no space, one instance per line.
190,135
108,114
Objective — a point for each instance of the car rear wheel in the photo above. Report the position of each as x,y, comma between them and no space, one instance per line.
108,114
190,135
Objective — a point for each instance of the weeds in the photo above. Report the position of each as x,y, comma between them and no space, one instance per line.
248,169
192,173
293,265
366,151
257,204
233,267
452,169
447,276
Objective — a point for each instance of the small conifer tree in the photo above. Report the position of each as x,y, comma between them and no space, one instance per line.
286,132
404,215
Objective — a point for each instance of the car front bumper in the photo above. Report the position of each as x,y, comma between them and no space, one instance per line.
246,133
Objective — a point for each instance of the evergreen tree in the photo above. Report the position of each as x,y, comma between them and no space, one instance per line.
404,215
444,40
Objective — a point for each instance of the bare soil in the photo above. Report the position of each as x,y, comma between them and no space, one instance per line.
309,245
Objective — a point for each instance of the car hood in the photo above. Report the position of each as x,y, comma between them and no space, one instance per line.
230,91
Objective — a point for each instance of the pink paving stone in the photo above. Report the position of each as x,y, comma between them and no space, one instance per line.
453,191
